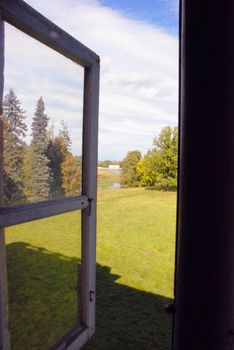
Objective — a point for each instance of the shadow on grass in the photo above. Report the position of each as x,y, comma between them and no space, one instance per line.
43,304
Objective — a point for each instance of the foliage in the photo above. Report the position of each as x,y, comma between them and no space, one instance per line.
55,156
70,168
27,170
41,176
159,167
135,269
120,163
147,169
129,176
106,163
14,129
65,168
78,160
44,169
71,175
65,137
106,178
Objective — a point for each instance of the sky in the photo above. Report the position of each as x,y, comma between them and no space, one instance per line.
137,42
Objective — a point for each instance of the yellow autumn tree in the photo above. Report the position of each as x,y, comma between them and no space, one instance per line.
71,175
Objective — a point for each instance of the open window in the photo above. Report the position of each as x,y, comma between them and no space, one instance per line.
20,15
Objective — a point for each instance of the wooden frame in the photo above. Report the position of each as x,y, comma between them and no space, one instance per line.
18,214
29,21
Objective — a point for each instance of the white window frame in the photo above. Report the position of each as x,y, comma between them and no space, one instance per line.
25,18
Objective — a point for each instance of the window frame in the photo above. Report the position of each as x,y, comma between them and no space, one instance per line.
23,17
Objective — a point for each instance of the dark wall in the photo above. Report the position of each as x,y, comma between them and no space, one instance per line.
205,241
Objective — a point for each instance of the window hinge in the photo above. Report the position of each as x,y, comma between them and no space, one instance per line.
91,293
170,308
90,200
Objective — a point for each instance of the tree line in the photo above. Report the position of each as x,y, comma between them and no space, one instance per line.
106,163
158,168
43,169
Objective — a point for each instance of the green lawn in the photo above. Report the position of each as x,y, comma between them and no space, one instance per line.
135,259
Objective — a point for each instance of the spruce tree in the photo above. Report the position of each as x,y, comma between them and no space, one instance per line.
65,138
40,162
13,148
55,156
70,170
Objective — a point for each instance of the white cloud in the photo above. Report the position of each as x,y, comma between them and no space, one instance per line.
139,78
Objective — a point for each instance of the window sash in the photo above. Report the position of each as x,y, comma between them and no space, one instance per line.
31,22
14,215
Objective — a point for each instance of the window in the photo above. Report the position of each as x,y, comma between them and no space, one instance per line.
29,21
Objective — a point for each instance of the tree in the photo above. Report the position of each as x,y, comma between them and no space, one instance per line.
15,128
167,145
40,163
129,176
147,169
55,156
71,175
65,137
159,166
70,168
104,163
27,170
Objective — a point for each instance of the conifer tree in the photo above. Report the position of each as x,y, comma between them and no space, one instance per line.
14,133
27,171
70,170
55,155
40,161
65,168
65,138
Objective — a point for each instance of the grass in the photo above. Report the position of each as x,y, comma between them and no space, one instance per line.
106,178
135,259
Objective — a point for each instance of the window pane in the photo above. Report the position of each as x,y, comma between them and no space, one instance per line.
43,261
43,103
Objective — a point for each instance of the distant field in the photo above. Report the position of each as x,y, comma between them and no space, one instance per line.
106,178
135,259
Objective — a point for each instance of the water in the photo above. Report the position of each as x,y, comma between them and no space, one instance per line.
115,185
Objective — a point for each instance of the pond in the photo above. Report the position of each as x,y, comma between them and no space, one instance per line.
115,185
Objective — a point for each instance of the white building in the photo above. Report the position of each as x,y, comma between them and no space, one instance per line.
111,166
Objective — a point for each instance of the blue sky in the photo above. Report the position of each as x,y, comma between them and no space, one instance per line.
137,43
162,13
